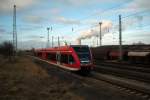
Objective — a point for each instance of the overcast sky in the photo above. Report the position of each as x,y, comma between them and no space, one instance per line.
75,19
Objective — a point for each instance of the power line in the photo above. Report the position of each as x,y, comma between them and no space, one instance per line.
130,15
143,26
104,11
96,25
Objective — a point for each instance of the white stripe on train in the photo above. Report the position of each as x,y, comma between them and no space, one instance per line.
72,69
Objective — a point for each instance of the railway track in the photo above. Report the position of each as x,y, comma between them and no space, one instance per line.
127,86
131,66
131,72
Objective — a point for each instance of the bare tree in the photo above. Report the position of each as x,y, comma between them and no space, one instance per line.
6,49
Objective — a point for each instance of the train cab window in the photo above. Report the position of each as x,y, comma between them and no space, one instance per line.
71,59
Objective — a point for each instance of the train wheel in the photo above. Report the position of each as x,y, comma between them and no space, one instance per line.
85,71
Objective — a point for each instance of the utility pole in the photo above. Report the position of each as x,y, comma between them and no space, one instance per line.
97,39
72,29
58,42
14,30
58,62
100,34
52,41
48,36
120,38
52,38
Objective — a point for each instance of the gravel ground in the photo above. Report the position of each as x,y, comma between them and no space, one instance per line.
91,90
25,80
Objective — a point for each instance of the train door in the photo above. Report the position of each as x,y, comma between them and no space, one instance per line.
58,57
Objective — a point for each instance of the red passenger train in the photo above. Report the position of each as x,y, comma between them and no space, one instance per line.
73,57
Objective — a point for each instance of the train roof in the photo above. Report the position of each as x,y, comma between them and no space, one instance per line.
78,45
61,48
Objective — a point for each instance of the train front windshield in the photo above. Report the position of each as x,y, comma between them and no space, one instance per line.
83,53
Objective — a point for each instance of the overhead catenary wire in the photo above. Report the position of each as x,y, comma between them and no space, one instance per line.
123,18
104,11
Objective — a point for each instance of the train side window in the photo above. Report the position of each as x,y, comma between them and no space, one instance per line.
71,59
51,56
64,58
39,54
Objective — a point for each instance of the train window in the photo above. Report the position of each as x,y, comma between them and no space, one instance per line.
64,58
51,56
71,59
39,54
83,53
81,49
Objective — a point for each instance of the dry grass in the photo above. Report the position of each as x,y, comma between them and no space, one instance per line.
25,80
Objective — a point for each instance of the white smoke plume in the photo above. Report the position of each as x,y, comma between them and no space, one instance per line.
105,27
78,41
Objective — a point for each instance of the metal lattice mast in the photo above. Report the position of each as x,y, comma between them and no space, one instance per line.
120,38
58,41
100,34
48,36
52,37
14,29
52,42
